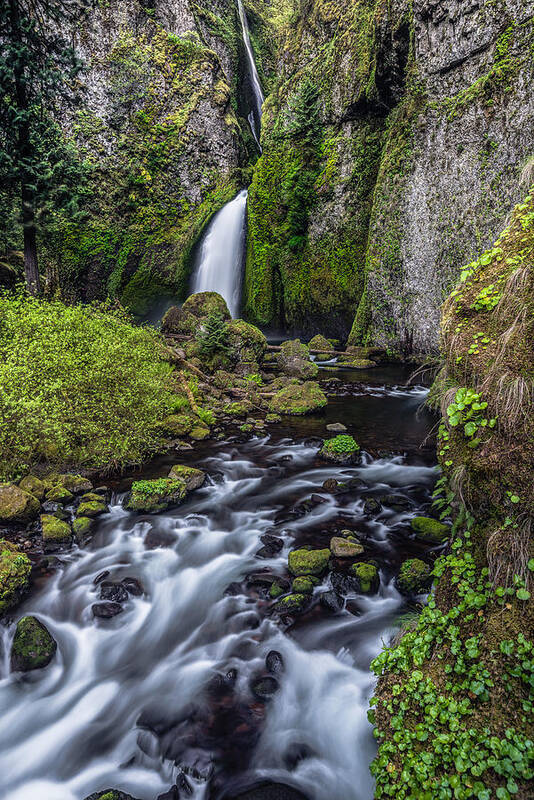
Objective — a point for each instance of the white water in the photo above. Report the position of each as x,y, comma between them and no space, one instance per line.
220,257
255,115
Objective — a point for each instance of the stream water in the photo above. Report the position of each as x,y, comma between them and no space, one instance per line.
161,694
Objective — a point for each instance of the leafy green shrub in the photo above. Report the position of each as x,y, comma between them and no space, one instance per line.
212,337
342,444
467,410
80,384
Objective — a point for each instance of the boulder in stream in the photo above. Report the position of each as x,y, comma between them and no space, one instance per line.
414,577
106,610
110,794
348,547
82,527
294,360
319,342
365,577
56,533
430,530
292,604
193,478
153,496
33,646
309,562
264,688
15,570
16,505
342,449
298,399
33,485
264,790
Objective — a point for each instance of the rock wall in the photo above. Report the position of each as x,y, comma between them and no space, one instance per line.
160,128
424,122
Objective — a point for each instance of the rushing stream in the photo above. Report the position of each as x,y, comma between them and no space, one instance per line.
162,692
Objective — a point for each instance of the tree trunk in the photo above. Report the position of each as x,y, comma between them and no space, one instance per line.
31,267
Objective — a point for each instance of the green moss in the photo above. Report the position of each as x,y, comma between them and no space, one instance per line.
366,575
152,496
82,528
199,433
430,530
92,508
33,646
298,399
33,485
16,505
303,585
308,562
292,603
193,478
414,576
15,570
57,494
341,444
56,532
276,590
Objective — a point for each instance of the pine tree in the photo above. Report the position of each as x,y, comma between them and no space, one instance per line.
38,71
213,336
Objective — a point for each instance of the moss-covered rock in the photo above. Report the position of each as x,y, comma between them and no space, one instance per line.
359,363
342,449
298,399
56,533
292,604
92,508
348,547
193,478
294,360
76,484
309,562
33,485
199,433
33,646
82,528
176,320
110,794
319,342
304,584
202,304
177,424
58,494
153,496
365,577
16,505
414,576
246,345
15,570
430,530
276,590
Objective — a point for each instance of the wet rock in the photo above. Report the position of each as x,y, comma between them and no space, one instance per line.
73,483
113,591
371,506
56,533
278,588
193,478
172,794
110,794
292,604
82,528
345,548
365,576
133,586
33,485
332,601
430,530
264,688
294,360
331,485
414,577
344,584
274,662
101,577
264,790
184,787
336,427
15,571
299,399
58,494
153,496
160,538
17,505
274,542
309,562
356,483
304,584
33,646
233,589
395,501
341,449
92,508
106,610
317,500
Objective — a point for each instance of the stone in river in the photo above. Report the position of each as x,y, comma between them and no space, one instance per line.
330,485
113,591
274,662
371,506
101,576
110,794
265,790
106,610
336,427
264,688
33,646
172,794
345,548
133,586
332,601
274,542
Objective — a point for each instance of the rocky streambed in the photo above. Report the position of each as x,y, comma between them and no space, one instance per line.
218,646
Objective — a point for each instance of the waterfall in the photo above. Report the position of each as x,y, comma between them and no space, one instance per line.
254,117
219,261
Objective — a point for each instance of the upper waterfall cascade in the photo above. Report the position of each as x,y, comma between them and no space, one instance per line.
219,260
254,117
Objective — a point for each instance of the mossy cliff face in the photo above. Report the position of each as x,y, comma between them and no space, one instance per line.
392,142
160,131
454,701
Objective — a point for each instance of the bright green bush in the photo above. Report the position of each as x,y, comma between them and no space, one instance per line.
78,385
